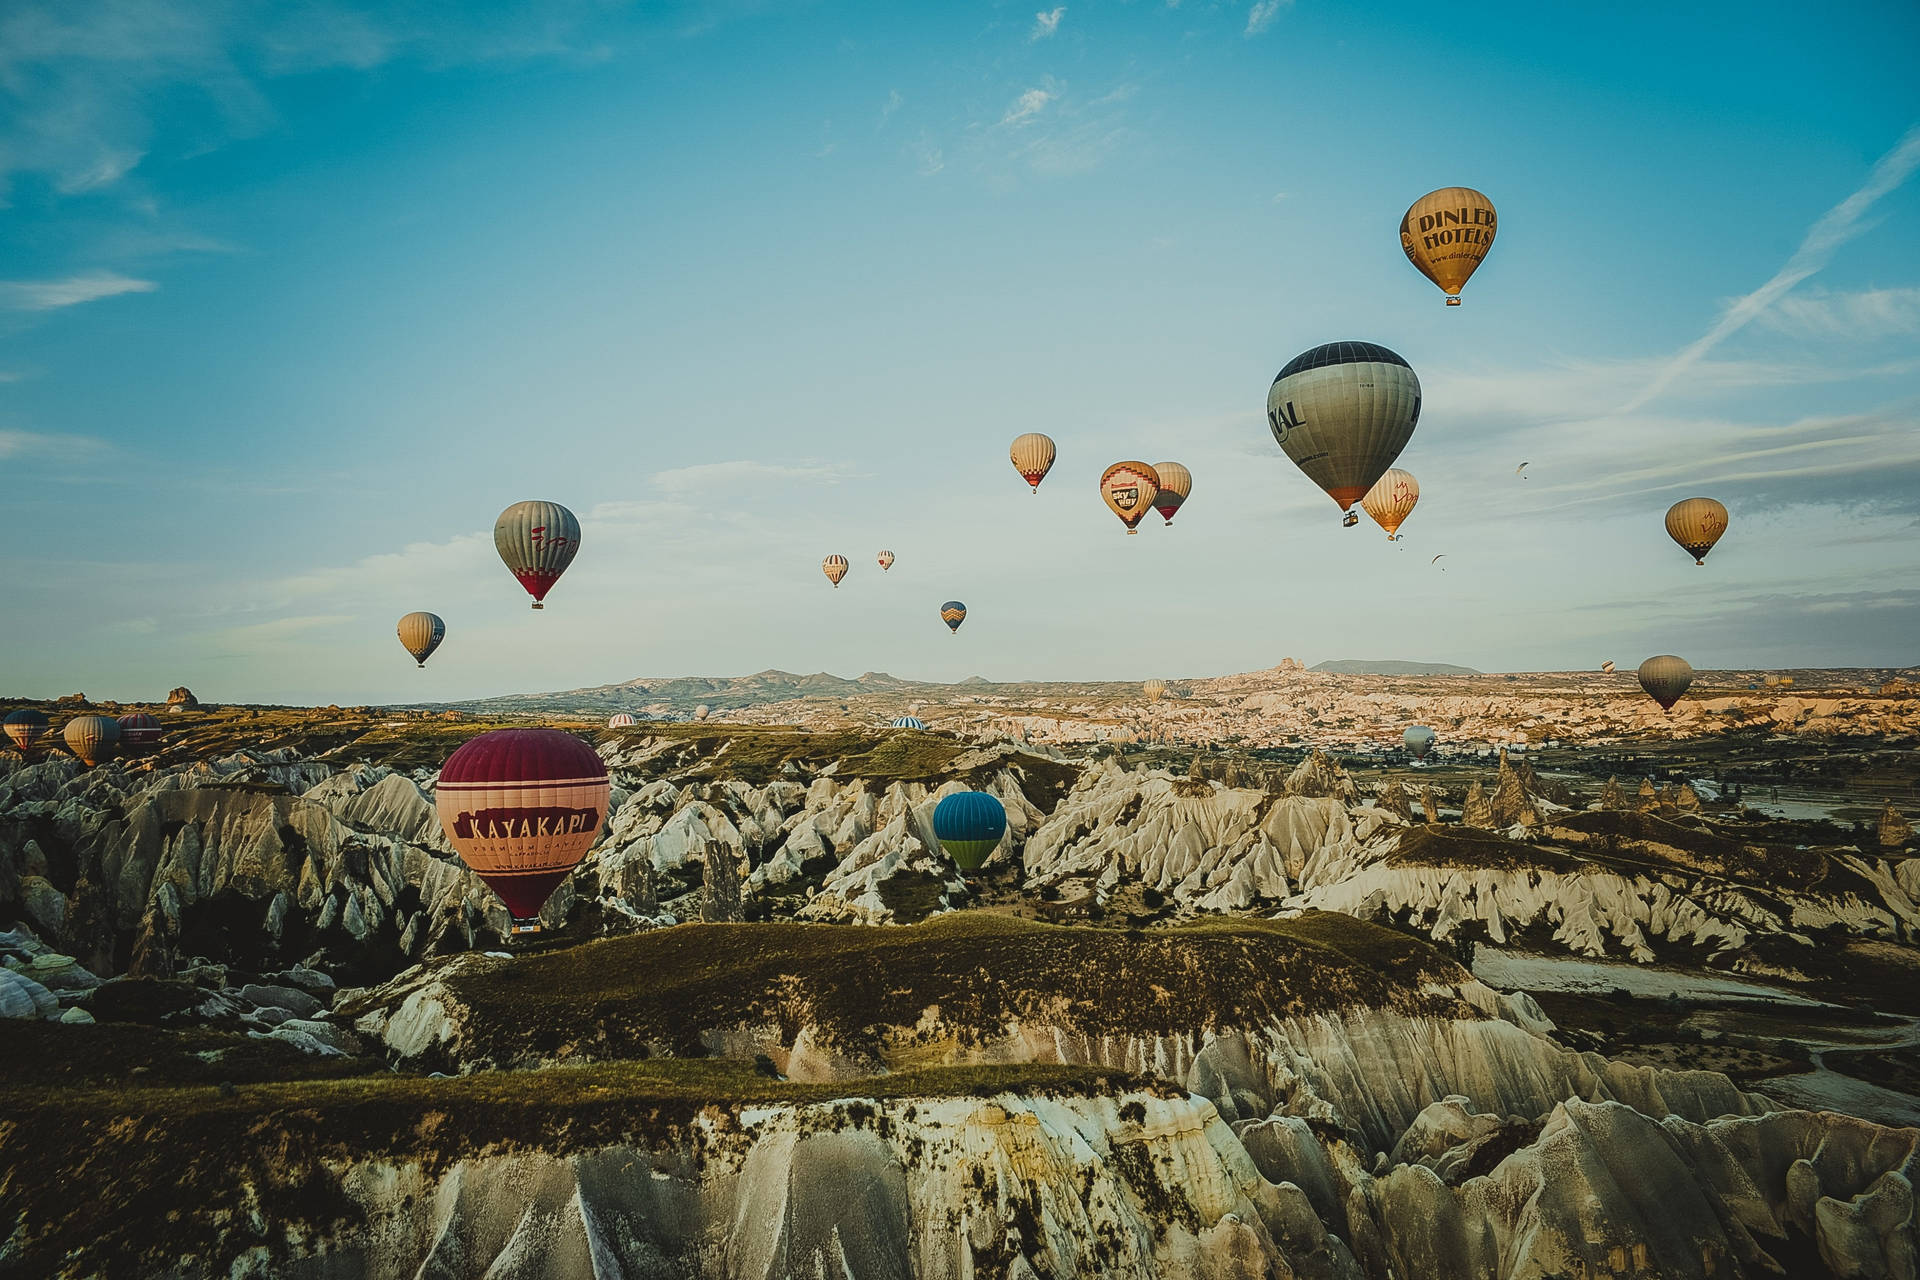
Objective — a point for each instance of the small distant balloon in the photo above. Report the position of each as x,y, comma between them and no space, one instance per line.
886,560
26,727
908,722
421,633
139,733
835,567
1446,235
1665,678
702,711
1391,500
1176,483
537,541
1419,739
1128,489
92,739
968,825
953,613
1154,689
1606,667
1032,456
621,720
1696,524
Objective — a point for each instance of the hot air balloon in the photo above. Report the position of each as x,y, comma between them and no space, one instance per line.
1446,235
835,567
1786,682
1696,524
621,720
92,738
1419,740
886,560
26,727
1606,668
969,825
1154,689
702,711
1343,412
1391,500
1129,488
139,733
953,613
538,540
908,722
421,633
1032,456
1770,680
1665,678
522,807
1176,482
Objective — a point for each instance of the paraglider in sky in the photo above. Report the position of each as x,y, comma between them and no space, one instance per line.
968,825
835,567
886,560
522,807
1665,678
537,540
1032,456
1391,500
1436,560
1176,482
26,727
908,722
1696,524
702,711
92,738
139,733
1154,689
1606,668
421,633
1419,739
1521,470
621,720
1128,489
953,613
1446,235
1343,412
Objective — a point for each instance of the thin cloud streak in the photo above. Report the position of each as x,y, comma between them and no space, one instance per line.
51,295
1837,226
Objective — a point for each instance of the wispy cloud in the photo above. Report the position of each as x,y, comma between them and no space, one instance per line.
1835,227
1026,107
20,444
1261,16
929,159
273,634
713,475
893,103
1861,315
1047,22
50,295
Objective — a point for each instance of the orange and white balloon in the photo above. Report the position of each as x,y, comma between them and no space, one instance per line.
1391,500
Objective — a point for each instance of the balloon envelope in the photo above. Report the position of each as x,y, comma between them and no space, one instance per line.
1176,482
1607,667
1128,489
969,825
953,613
1446,235
522,807
26,727
702,711
1343,412
1391,500
1696,524
886,560
139,732
835,567
1419,739
537,540
908,722
92,738
621,720
1154,689
1032,456
421,633
1665,678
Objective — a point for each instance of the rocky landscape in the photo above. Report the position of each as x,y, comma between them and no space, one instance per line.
1587,1010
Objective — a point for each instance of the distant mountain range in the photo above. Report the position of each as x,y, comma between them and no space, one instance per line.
1360,667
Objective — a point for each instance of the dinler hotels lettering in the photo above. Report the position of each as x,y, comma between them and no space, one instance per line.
521,824
1463,226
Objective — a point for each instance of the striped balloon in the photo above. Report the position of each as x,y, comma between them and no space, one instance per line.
968,825
139,733
909,722
522,807
421,633
953,613
26,727
1154,689
1032,456
886,560
92,738
537,540
1128,489
1391,500
1176,482
621,720
835,567
1606,668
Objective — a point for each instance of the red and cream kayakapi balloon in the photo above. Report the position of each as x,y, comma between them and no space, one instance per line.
886,560
92,739
139,733
1696,524
537,540
1032,456
621,720
421,633
522,807
1343,412
1446,235
1128,489
835,567
1176,482
1391,500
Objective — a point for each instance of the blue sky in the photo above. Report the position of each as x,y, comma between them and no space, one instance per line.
295,298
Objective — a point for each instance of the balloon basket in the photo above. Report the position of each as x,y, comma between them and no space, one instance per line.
538,605
1453,302
525,928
